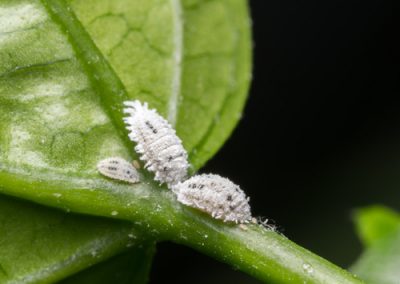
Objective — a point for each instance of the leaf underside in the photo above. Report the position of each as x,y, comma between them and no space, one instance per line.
41,245
126,268
65,68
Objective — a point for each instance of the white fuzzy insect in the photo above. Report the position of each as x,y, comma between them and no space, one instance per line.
216,195
119,169
157,143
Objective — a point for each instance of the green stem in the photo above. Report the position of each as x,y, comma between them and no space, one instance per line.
262,253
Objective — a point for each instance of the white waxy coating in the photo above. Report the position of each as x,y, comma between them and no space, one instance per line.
119,169
157,143
216,195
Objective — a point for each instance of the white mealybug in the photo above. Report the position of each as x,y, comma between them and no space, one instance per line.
119,169
157,143
216,195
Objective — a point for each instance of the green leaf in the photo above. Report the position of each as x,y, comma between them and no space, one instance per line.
42,245
62,81
380,263
375,223
127,268
379,229
190,59
61,99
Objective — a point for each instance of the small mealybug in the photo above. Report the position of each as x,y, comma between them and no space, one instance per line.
156,142
217,196
119,169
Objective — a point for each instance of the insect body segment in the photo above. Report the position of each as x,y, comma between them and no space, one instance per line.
216,195
119,169
157,143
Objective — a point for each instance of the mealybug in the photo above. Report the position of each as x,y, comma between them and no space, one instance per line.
216,195
157,143
118,168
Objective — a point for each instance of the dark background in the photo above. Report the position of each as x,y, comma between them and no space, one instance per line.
320,134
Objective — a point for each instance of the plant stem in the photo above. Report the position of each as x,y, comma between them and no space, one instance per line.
262,253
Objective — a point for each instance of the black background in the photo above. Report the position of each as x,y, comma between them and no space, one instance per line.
320,134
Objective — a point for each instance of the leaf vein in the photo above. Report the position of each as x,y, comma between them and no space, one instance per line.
103,79
19,69
177,58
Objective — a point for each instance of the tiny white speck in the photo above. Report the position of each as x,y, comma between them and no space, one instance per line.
308,268
58,195
136,164
243,227
114,213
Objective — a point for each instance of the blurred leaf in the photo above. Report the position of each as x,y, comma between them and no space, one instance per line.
375,223
131,267
379,230
380,263
62,82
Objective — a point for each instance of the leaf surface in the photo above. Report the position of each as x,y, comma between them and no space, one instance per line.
189,59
